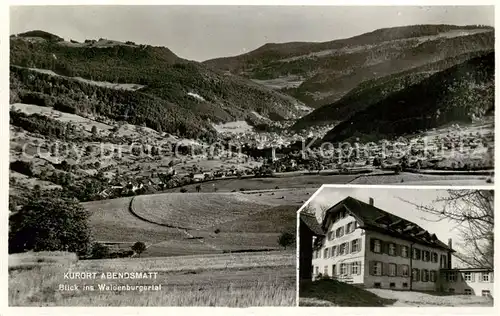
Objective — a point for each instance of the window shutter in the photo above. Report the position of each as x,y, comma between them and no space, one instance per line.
385,268
347,248
348,267
370,267
359,267
473,277
418,275
359,244
397,270
372,244
345,229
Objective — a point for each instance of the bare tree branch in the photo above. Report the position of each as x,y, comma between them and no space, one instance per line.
473,213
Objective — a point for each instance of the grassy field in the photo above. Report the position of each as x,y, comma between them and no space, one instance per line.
235,280
176,224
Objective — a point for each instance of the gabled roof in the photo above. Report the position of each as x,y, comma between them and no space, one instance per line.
373,218
310,221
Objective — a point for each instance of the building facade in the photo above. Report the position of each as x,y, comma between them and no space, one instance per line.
473,281
367,246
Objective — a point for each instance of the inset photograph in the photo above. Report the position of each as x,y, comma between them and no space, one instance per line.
373,246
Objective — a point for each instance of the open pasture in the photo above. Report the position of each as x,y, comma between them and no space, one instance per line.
235,280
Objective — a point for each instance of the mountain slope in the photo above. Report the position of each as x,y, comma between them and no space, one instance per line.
327,71
372,91
178,95
457,94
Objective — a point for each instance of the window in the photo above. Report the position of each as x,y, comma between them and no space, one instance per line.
334,270
355,245
415,275
444,262
425,275
342,249
334,251
451,290
405,285
485,277
343,269
349,228
330,235
355,224
426,256
404,251
468,292
377,285
433,276
405,270
355,268
468,276
485,293
434,257
392,269
377,247
392,249
452,276
339,232
325,253
325,270
377,268
416,254
392,285
317,270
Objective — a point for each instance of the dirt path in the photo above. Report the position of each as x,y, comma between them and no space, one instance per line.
418,299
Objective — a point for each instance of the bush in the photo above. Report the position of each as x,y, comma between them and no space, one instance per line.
50,223
183,190
139,247
99,251
286,239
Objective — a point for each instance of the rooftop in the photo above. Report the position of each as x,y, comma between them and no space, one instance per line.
375,219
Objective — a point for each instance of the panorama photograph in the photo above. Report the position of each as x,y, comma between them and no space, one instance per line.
159,154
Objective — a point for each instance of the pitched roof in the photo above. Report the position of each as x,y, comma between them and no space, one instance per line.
310,221
373,218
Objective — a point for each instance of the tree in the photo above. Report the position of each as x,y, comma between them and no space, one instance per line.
473,212
286,239
50,223
139,247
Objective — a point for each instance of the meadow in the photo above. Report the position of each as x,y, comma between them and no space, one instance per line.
233,280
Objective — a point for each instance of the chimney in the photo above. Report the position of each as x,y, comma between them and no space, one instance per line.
450,243
371,201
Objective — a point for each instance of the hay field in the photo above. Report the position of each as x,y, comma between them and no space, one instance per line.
196,211
235,280
176,224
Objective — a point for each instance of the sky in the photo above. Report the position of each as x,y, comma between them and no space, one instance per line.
391,201
204,32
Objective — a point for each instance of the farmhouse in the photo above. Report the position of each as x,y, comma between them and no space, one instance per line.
369,247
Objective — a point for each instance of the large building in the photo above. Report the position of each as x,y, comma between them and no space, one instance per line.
367,246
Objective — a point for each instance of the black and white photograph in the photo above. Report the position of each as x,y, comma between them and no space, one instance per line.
158,154
368,246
